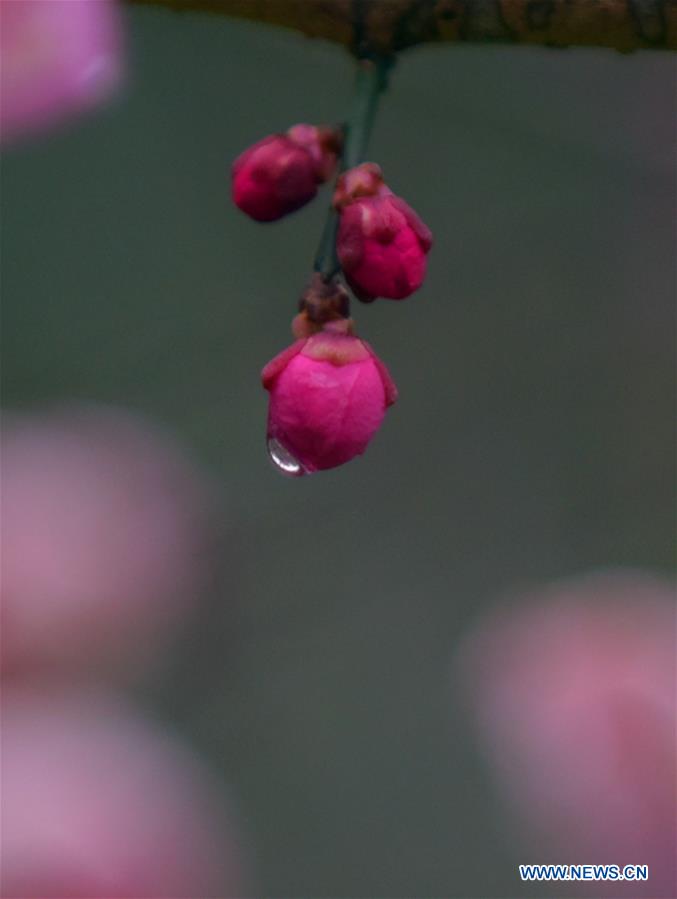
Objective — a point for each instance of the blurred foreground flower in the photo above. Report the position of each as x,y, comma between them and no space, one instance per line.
58,57
573,694
97,803
103,539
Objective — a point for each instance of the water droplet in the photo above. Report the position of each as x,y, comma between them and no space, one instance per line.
283,460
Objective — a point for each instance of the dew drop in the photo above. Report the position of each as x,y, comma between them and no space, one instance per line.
283,460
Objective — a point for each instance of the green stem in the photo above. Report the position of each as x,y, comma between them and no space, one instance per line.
371,81
326,261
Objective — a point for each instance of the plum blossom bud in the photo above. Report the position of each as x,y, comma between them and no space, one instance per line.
328,396
281,172
572,693
382,243
58,57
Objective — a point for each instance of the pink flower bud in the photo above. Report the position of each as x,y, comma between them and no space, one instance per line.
280,173
328,396
382,243
58,57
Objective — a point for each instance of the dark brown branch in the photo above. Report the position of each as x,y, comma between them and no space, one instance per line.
387,26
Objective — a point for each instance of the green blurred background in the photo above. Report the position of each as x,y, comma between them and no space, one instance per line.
533,437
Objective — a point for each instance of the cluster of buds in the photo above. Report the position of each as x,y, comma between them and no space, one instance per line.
329,391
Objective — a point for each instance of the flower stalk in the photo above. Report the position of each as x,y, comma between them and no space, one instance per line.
371,81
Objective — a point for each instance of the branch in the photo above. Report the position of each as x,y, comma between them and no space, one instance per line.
377,27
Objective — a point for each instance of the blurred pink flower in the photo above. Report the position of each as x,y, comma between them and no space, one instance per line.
58,57
574,697
97,803
103,539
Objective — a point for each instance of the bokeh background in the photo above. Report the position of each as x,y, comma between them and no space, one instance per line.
533,438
